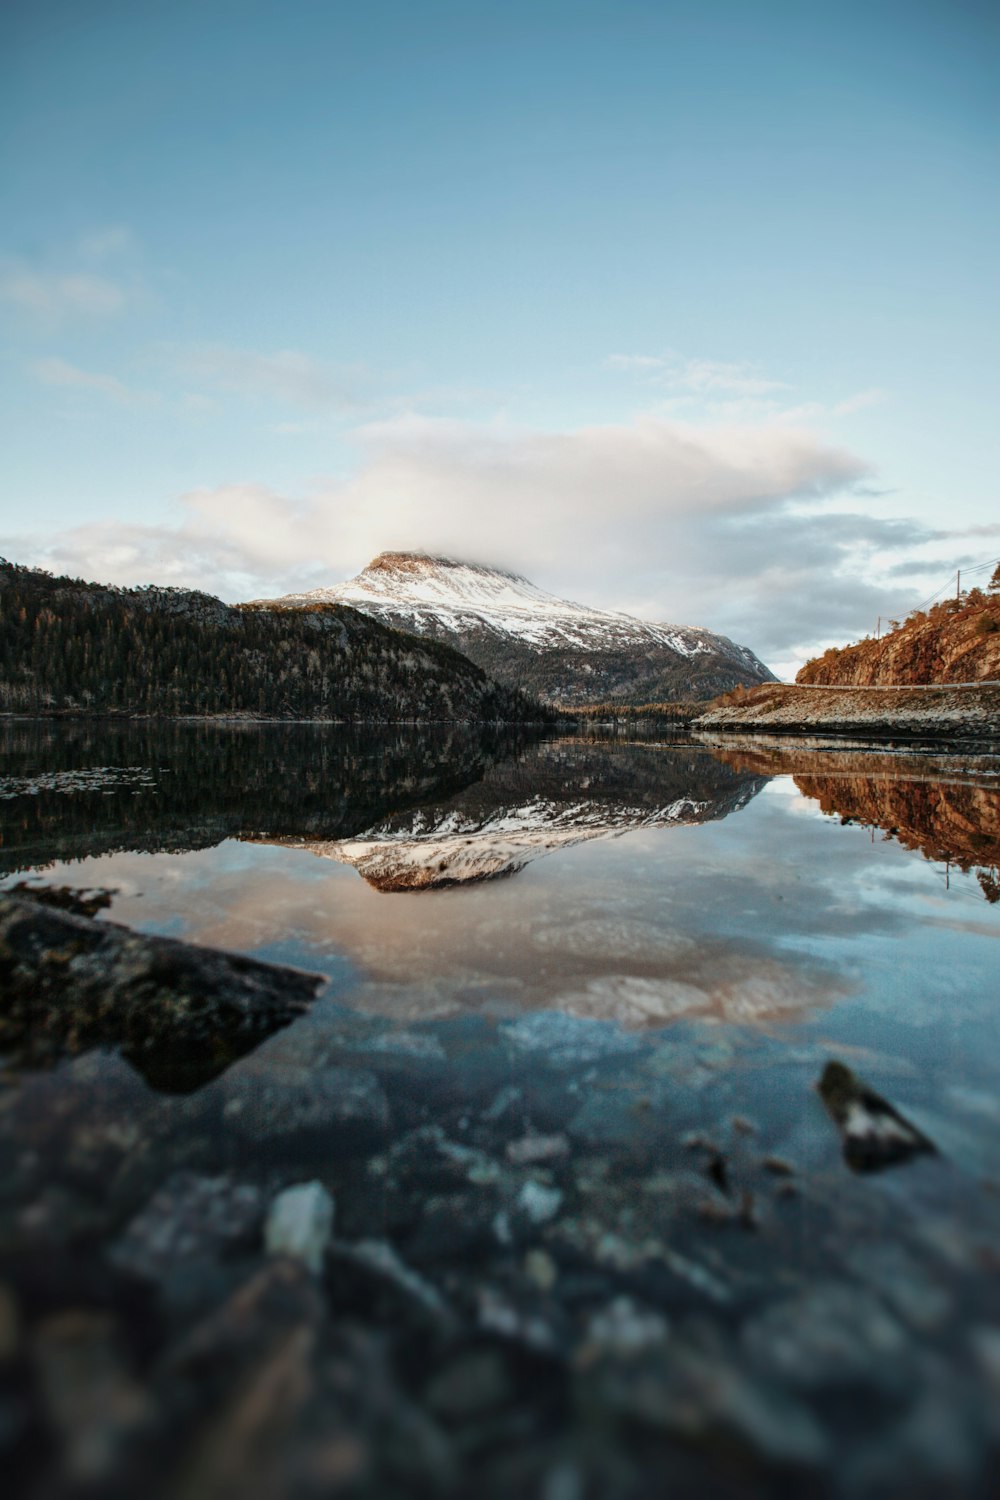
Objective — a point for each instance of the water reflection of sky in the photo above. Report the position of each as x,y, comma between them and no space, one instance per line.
774,914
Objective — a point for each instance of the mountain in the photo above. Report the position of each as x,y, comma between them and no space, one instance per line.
70,646
956,641
563,652
560,793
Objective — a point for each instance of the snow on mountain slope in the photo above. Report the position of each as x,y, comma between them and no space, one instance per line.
522,635
457,594
452,849
560,793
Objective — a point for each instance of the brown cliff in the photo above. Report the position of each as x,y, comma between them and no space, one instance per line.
956,641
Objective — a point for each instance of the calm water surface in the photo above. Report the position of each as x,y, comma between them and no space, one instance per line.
736,916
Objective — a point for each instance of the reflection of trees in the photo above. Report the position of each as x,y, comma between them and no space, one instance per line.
598,777
316,784
946,807
211,782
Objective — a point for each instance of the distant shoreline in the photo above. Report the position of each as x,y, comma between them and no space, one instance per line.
928,711
125,716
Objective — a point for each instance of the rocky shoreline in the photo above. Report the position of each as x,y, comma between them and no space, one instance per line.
941,712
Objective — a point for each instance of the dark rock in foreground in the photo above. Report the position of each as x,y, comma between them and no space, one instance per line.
875,1135
181,1014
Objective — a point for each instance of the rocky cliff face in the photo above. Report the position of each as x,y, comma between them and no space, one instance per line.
957,641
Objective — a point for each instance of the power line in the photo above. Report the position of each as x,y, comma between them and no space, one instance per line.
955,577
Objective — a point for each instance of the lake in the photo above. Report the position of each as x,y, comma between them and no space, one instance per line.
595,1222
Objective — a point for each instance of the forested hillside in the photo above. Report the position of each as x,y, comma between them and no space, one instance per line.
71,646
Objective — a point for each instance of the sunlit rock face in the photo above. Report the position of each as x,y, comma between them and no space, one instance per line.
563,652
956,641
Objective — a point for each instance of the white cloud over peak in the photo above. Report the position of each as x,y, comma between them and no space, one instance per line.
726,526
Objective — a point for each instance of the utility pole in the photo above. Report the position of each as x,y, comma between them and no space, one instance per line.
958,587
878,629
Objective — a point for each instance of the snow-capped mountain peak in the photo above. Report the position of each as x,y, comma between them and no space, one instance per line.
488,611
453,594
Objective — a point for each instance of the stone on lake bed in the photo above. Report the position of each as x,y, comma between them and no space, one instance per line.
566,1042
188,1218
697,1389
380,1261
300,1224
540,1203
476,1381
624,1329
342,1109
534,1149
832,1334
94,1406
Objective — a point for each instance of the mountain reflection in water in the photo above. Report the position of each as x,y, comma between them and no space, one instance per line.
559,794
408,811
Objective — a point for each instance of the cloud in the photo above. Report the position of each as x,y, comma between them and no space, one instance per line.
730,391
861,401
285,376
635,362
108,242
59,372
53,298
711,524
699,377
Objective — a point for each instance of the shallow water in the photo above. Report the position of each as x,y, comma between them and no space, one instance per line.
717,923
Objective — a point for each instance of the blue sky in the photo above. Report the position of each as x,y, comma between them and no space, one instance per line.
688,308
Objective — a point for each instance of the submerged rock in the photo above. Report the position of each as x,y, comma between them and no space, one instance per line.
566,1042
476,1381
378,1260
875,1135
622,1330
300,1223
339,1109
246,1376
831,1335
94,1408
532,1150
179,1013
189,1218
538,1202
696,1389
